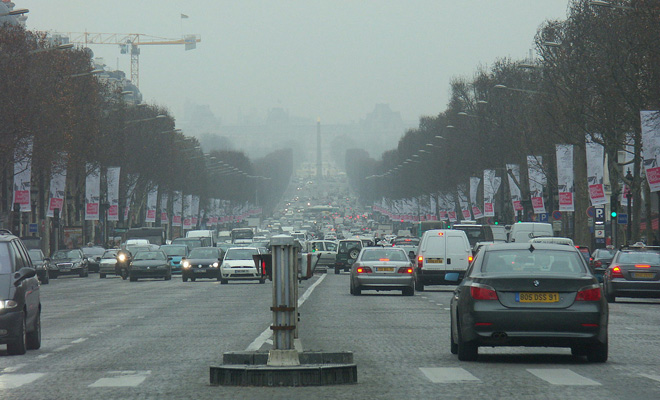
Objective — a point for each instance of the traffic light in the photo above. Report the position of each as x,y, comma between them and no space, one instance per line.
614,205
497,222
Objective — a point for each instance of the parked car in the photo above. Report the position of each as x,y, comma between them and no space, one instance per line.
633,272
20,301
378,268
149,264
202,262
443,257
600,260
68,262
526,294
347,252
108,263
40,264
177,252
93,254
238,264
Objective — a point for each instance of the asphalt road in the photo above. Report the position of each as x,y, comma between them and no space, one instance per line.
113,339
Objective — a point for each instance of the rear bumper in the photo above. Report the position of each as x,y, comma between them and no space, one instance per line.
437,277
380,282
634,288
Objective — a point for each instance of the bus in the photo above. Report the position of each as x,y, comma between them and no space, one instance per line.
155,235
242,235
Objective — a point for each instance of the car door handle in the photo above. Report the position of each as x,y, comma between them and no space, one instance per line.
448,261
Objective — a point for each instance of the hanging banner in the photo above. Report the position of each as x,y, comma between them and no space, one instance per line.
536,182
596,172
112,178
187,211
57,189
163,209
194,210
177,208
132,182
565,180
92,193
651,147
474,186
514,189
152,201
465,206
489,193
23,174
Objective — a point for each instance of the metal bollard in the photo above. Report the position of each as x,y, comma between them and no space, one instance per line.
285,301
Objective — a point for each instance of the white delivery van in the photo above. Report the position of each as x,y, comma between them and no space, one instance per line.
209,238
443,257
524,231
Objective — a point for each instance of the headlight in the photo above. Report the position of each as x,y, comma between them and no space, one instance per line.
185,264
8,304
215,264
121,257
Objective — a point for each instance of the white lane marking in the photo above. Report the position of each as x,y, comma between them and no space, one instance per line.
123,379
82,339
424,297
42,356
562,376
448,375
653,377
13,368
267,333
11,381
62,348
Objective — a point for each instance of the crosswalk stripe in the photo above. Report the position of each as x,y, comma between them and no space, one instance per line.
562,376
122,379
12,381
448,375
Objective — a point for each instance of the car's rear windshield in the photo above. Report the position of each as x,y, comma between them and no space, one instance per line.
345,246
383,255
204,253
35,255
240,254
639,257
406,242
523,261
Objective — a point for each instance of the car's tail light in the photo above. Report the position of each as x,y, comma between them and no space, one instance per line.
383,259
405,270
642,266
364,270
590,293
470,258
483,292
616,272
598,264
420,262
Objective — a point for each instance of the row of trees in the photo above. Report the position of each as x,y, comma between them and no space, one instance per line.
75,117
593,74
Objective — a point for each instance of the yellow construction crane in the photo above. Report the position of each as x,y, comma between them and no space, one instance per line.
128,44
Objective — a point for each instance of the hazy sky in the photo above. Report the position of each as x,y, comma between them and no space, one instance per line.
333,59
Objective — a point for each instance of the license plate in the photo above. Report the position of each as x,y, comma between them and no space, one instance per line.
65,269
434,260
241,271
200,270
643,274
532,297
385,269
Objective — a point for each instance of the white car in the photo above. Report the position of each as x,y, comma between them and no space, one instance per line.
238,264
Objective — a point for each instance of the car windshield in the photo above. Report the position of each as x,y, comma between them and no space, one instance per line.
406,242
109,255
639,257
174,250
240,254
35,255
604,253
344,246
204,253
66,254
149,255
523,261
384,255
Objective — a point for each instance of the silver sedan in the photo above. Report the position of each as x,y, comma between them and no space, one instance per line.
378,268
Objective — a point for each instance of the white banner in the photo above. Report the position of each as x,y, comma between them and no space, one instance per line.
112,176
187,211
474,186
57,189
23,174
177,208
651,147
463,202
565,179
152,201
595,172
489,192
163,209
92,193
537,180
516,196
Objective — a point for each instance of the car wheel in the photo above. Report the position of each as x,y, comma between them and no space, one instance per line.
409,291
337,270
101,276
453,346
351,290
609,296
262,280
52,275
33,339
357,291
419,286
597,353
579,351
168,277
224,281
184,278
467,351
45,281
17,346
133,279
193,279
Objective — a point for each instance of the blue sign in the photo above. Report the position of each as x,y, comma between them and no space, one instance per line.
33,228
622,219
556,215
543,217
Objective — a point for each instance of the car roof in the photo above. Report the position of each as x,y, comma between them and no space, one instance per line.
526,246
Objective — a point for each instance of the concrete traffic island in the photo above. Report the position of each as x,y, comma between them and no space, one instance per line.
285,364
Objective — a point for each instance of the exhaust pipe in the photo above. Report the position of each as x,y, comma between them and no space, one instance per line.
499,335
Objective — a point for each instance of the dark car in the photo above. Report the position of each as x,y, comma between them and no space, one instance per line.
125,255
68,262
20,303
202,262
40,264
347,252
93,254
150,264
600,260
633,272
526,294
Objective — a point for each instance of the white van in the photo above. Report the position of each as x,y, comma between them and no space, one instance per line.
524,231
208,236
443,256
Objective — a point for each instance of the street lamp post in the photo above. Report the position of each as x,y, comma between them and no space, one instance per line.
628,193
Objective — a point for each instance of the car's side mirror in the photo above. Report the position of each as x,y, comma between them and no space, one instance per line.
169,258
452,277
23,274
